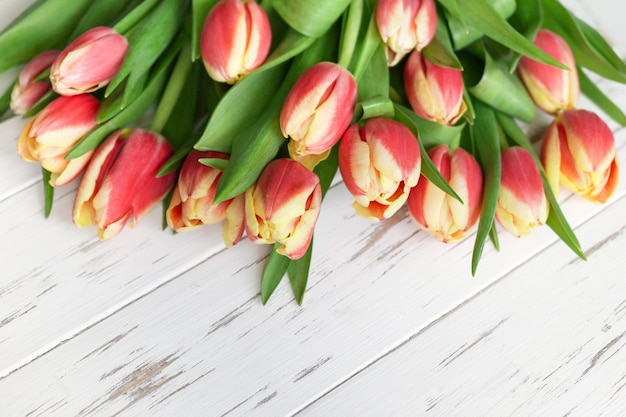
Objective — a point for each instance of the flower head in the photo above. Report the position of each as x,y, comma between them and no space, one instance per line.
283,207
193,201
552,89
405,25
578,150
49,136
522,202
318,109
235,39
121,183
434,92
444,217
379,163
28,90
88,63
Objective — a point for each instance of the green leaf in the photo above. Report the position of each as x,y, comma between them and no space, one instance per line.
492,81
5,103
486,140
375,79
137,12
480,14
589,49
527,20
48,192
593,93
149,40
376,106
464,34
452,7
244,103
327,169
130,113
407,117
43,26
556,219
274,271
119,99
291,45
311,18
200,10
100,13
440,50
431,133
217,163
298,272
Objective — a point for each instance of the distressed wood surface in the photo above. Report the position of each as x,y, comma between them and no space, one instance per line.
155,324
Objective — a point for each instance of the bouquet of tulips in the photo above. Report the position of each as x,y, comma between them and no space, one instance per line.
241,112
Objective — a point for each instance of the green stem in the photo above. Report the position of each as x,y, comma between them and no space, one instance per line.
350,32
135,16
172,91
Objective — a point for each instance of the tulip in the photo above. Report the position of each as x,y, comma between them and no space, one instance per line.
121,181
235,39
405,25
435,93
318,109
88,63
28,90
444,217
379,162
193,201
49,136
579,151
283,206
522,203
552,89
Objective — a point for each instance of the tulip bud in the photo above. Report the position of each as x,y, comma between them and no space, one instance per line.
552,89
49,136
120,182
235,39
192,204
379,162
579,151
435,93
88,63
443,216
318,109
522,202
405,25
27,91
283,207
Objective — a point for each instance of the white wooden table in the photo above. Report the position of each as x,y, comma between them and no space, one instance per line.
393,324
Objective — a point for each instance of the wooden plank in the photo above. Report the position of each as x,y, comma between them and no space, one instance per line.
549,338
203,344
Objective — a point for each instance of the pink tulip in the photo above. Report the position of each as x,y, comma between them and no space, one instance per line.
120,182
552,89
283,207
444,217
318,109
380,163
27,91
522,202
49,136
579,151
405,25
435,93
235,39
193,205
88,63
